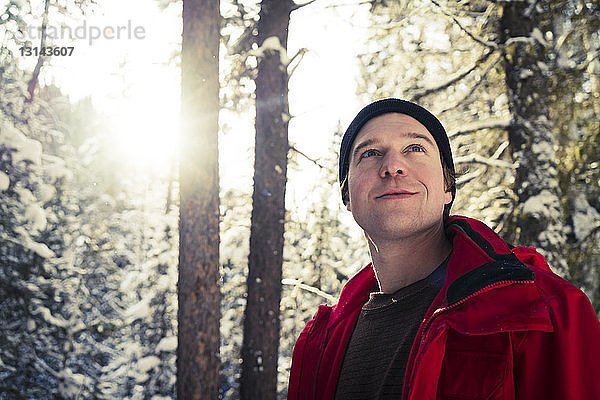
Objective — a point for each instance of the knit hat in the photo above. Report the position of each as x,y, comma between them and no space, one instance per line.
393,105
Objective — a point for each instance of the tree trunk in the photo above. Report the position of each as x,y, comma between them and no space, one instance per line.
538,219
261,318
38,66
198,288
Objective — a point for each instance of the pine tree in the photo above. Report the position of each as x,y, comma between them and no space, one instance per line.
198,285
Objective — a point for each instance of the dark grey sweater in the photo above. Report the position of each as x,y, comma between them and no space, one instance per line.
375,361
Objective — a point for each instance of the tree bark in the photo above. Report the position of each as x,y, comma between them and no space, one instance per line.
198,288
261,318
40,62
538,218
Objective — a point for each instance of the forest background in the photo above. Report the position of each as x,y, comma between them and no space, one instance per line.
90,197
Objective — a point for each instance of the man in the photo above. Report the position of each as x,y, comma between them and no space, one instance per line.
446,309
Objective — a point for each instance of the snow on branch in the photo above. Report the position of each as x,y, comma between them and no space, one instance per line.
466,178
476,158
477,39
536,36
28,243
308,288
479,125
271,44
49,318
585,219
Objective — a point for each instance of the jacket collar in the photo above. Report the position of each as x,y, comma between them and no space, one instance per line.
479,258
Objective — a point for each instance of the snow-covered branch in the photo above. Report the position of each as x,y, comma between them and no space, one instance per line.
469,177
481,41
271,44
308,288
476,158
479,125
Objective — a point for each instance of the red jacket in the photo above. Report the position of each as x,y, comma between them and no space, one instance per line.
502,327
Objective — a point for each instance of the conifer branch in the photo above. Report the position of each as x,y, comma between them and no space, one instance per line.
291,147
299,6
478,159
308,288
483,42
454,79
476,126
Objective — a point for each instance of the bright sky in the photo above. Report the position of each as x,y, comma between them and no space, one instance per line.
136,84
132,80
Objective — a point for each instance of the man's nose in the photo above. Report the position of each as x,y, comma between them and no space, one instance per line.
393,164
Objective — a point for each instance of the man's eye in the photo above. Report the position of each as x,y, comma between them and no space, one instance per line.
369,153
415,147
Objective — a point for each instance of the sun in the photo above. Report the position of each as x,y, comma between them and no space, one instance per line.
145,132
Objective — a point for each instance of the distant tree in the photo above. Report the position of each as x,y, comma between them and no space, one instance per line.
198,288
538,217
38,286
261,317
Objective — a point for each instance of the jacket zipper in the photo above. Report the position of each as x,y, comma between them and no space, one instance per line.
427,323
441,310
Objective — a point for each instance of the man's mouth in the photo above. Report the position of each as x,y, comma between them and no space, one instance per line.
395,194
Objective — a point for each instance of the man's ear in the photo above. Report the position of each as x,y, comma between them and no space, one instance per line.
448,197
348,206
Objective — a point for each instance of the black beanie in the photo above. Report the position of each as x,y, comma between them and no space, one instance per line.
393,105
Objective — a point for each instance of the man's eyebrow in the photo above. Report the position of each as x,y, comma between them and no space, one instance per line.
370,142
362,145
415,135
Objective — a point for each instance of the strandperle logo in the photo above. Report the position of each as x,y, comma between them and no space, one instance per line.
83,31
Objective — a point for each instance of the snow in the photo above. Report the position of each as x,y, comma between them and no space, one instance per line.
56,169
525,73
41,249
36,217
544,151
30,325
141,310
46,193
25,195
539,205
147,363
25,148
272,44
168,343
4,181
539,36
29,150
71,383
49,318
585,217
129,281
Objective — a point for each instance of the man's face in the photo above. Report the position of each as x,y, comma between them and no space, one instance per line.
395,180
